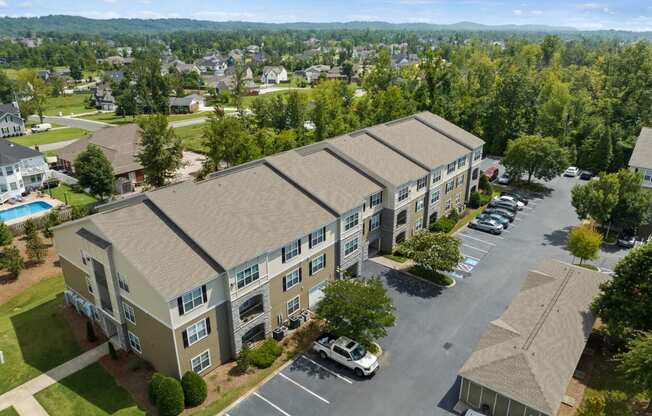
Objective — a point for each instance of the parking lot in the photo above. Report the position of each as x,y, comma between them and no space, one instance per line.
436,329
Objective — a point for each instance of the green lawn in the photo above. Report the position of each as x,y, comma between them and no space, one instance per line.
89,392
67,105
395,257
179,117
51,136
34,335
10,411
66,194
191,137
111,118
433,276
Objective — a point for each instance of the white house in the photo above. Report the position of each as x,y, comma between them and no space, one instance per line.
21,169
274,75
11,124
314,72
641,160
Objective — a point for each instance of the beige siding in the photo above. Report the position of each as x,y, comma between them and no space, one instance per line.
76,279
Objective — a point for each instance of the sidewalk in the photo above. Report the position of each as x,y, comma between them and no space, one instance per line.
22,397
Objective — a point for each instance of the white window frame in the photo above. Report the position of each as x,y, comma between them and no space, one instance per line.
292,302
322,264
374,222
450,185
349,244
448,204
191,298
317,237
89,284
122,282
292,279
130,314
451,167
459,181
422,183
134,342
419,224
198,330
461,162
403,193
434,193
436,176
201,362
477,154
351,221
376,199
420,204
292,250
245,274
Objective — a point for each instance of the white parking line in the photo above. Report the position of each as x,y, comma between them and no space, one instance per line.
471,257
477,239
304,388
518,219
475,248
271,404
327,369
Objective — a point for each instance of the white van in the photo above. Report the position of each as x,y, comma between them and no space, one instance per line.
38,128
471,412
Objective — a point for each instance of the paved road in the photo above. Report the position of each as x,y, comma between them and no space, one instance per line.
436,330
189,122
74,122
56,145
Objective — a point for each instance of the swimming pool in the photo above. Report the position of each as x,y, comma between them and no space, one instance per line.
23,210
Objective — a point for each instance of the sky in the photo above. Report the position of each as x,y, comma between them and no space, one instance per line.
585,15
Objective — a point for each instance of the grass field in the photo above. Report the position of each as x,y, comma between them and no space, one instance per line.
51,136
112,118
67,105
191,137
89,392
34,335
10,411
66,194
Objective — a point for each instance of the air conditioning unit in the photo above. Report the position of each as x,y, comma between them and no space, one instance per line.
295,321
280,333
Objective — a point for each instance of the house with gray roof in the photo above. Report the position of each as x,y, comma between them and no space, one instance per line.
641,159
274,75
524,361
188,104
11,123
21,169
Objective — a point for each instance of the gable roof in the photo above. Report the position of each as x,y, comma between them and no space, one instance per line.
530,353
119,144
642,153
9,109
450,130
11,152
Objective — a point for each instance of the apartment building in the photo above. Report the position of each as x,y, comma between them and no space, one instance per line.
187,274
641,159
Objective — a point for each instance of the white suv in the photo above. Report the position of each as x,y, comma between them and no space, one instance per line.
572,171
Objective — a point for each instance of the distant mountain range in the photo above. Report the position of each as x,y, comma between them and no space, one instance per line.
76,24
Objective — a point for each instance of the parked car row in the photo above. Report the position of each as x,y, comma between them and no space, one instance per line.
500,213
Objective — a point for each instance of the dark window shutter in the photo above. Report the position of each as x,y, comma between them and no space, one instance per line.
285,285
310,240
310,268
300,274
208,325
324,260
203,293
283,255
184,335
299,243
180,305
323,230
381,197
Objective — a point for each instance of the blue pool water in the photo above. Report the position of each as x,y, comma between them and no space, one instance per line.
21,211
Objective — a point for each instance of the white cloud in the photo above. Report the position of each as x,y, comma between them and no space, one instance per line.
517,12
537,12
25,5
221,15
3,4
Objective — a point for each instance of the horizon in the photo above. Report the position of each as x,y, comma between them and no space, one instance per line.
627,15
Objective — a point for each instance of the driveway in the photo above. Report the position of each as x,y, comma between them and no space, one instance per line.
81,123
436,329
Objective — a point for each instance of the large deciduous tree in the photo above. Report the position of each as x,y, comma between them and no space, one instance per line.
228,142
432,251
636,363
94,171
535,156
160,150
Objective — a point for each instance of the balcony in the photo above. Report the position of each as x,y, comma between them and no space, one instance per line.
251,308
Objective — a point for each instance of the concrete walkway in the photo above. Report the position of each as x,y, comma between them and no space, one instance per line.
22,397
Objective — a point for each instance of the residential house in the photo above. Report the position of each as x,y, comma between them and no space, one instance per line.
188,104
525,360
235,56
11,123
120,145
185,275
274,75
102,97
21,169
212,63
246,75
336,74
314,72
114,76
115,60
641,159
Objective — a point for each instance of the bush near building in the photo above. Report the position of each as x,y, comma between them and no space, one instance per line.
266,353
169,397
194,389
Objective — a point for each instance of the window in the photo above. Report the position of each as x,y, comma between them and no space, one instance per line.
421,183
10,170
291,250
247,276
197,332
460,180
292,279
461,162
89,284
13,186
450,185
419,205
433,218
122,282
293,305
419,224
318,264
201,362
400,237
403,193
434,196
448,204
451,167
458,199
350,247
375,199
192,299
436,176
374,222
475,174
401,218
350,221
477,154
134,342
317,237
129,313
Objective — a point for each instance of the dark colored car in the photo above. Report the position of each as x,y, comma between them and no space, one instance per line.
502,212
586,175
516,195
491,172
496,217
499,203
626,240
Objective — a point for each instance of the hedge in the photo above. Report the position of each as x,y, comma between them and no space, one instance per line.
194,389
169,400
265,355
154,385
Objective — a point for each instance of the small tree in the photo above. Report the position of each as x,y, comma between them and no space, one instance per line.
169,400
484,184
154,386
94,171
359,309
6,236
636,363
244,359
160,150
433,251
584,242
597,199
194,389
12,260
29,228
36,250
90,332
474,200
52,221
593,406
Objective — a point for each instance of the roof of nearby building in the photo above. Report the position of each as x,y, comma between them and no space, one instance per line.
119,144
11,152
275,69
530,353
325,175
244,212
184,101
9,109
378,158
451,130
642,153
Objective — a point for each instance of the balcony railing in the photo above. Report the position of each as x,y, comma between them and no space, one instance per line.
251,312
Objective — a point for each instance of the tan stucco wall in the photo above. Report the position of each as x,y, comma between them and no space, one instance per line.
75,279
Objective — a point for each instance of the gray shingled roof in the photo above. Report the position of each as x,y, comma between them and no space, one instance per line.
326,176
11,152
451,130
8,109
642,154
530,353
241,213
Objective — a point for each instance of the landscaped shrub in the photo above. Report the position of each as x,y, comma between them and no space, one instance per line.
443,225
90,332
6,236
244,359
474,200
154,385
169,398
265,355
484,184
194,389
78,211
485,199
453,215
29,227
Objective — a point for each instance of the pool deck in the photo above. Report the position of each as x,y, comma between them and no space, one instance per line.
33,197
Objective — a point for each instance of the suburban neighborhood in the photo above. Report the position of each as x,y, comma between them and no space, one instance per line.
239,218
